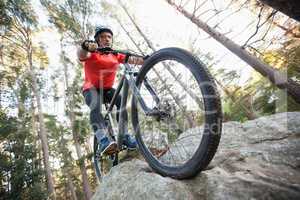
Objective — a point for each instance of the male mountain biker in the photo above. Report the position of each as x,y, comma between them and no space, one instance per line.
100,71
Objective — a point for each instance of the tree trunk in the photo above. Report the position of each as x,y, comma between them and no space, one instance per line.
35,132
86,185
17,182
85,181
70,183
276,77
291,7
67,166
42,133
89,151
72,188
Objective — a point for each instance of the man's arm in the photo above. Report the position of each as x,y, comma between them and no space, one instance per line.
83,52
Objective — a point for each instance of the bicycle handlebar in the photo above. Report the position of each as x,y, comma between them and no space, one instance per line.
109,50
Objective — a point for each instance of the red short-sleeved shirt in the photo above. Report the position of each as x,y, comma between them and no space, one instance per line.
100,70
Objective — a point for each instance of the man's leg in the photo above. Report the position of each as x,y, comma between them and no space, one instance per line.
129,141
94,100
108,95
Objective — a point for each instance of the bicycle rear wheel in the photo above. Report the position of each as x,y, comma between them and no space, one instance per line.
182,139
104,163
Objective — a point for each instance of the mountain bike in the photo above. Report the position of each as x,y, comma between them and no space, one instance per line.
175,113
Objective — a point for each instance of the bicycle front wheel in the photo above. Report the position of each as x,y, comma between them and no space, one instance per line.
182,137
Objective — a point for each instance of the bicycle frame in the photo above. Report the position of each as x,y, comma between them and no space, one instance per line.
128,82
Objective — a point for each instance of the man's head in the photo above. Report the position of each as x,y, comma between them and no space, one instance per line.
103,36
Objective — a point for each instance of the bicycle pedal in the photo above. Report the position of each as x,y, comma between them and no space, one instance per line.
128,149
131,150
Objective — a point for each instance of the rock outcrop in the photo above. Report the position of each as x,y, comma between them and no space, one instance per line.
258,159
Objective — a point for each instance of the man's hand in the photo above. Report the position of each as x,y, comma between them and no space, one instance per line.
135,60
89,45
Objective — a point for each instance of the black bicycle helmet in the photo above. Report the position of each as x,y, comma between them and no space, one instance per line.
101,29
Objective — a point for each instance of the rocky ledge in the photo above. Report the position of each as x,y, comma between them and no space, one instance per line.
258,159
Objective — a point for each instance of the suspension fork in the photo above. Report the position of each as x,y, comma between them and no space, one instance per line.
140,100
152,92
